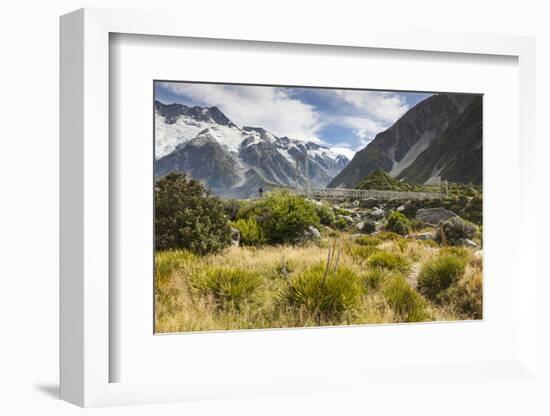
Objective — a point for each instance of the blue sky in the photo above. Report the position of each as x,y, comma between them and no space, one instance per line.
344,120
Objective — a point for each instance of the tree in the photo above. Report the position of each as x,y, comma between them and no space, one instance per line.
187,216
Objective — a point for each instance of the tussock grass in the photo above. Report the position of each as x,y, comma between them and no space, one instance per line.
375,278
170,261
362,253
460,252
366,240
389,261
227,286
439,274
388,235
326,295
282,286
408,305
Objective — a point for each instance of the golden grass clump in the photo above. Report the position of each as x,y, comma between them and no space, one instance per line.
439,274
389,261
340,281
324,293
408,305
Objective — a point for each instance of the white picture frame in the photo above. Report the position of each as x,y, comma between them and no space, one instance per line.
85,213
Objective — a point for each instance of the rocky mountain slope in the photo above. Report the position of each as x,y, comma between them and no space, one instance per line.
439,138
231,160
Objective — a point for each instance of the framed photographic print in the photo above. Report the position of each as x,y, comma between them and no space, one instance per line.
279,214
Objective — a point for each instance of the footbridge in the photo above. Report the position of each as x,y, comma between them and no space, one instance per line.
367,193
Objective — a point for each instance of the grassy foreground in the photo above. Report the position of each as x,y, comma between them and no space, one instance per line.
340,281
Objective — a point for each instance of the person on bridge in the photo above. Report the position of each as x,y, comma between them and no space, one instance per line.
260,190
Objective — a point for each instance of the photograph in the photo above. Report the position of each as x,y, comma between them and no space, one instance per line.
283,206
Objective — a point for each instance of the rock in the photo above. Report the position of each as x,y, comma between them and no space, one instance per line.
367,226
235,237
456,231
425,236
368,202
400,208
434,216
315,202
312,233
377,213
348,219
355,203
466,242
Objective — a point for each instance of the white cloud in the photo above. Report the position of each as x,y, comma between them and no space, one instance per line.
382,106
343,149
267,107
364,128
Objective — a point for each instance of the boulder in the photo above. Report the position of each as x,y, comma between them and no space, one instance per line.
377,213
315,202
235,237
368,202
466,242
348,219
312,233
400,208
425,236
434,216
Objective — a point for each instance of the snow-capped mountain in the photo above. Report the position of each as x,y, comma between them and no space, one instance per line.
234,161
439,138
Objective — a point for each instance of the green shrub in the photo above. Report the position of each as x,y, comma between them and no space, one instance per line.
381,181
326,295
251,233
325,214
417,225
389,261
398,223
369,227
341,223
342,211
169,261
283,217
231,207
454,229
439,274
187,216
227,286
407,304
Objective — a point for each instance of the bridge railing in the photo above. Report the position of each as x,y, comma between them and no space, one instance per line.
368,193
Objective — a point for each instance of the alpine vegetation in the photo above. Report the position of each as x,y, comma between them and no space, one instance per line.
279,207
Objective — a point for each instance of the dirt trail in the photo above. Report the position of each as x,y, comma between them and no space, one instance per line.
412,277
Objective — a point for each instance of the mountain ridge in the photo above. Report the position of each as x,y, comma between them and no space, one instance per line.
403,150
235,161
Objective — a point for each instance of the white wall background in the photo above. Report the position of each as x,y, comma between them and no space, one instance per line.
29,56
